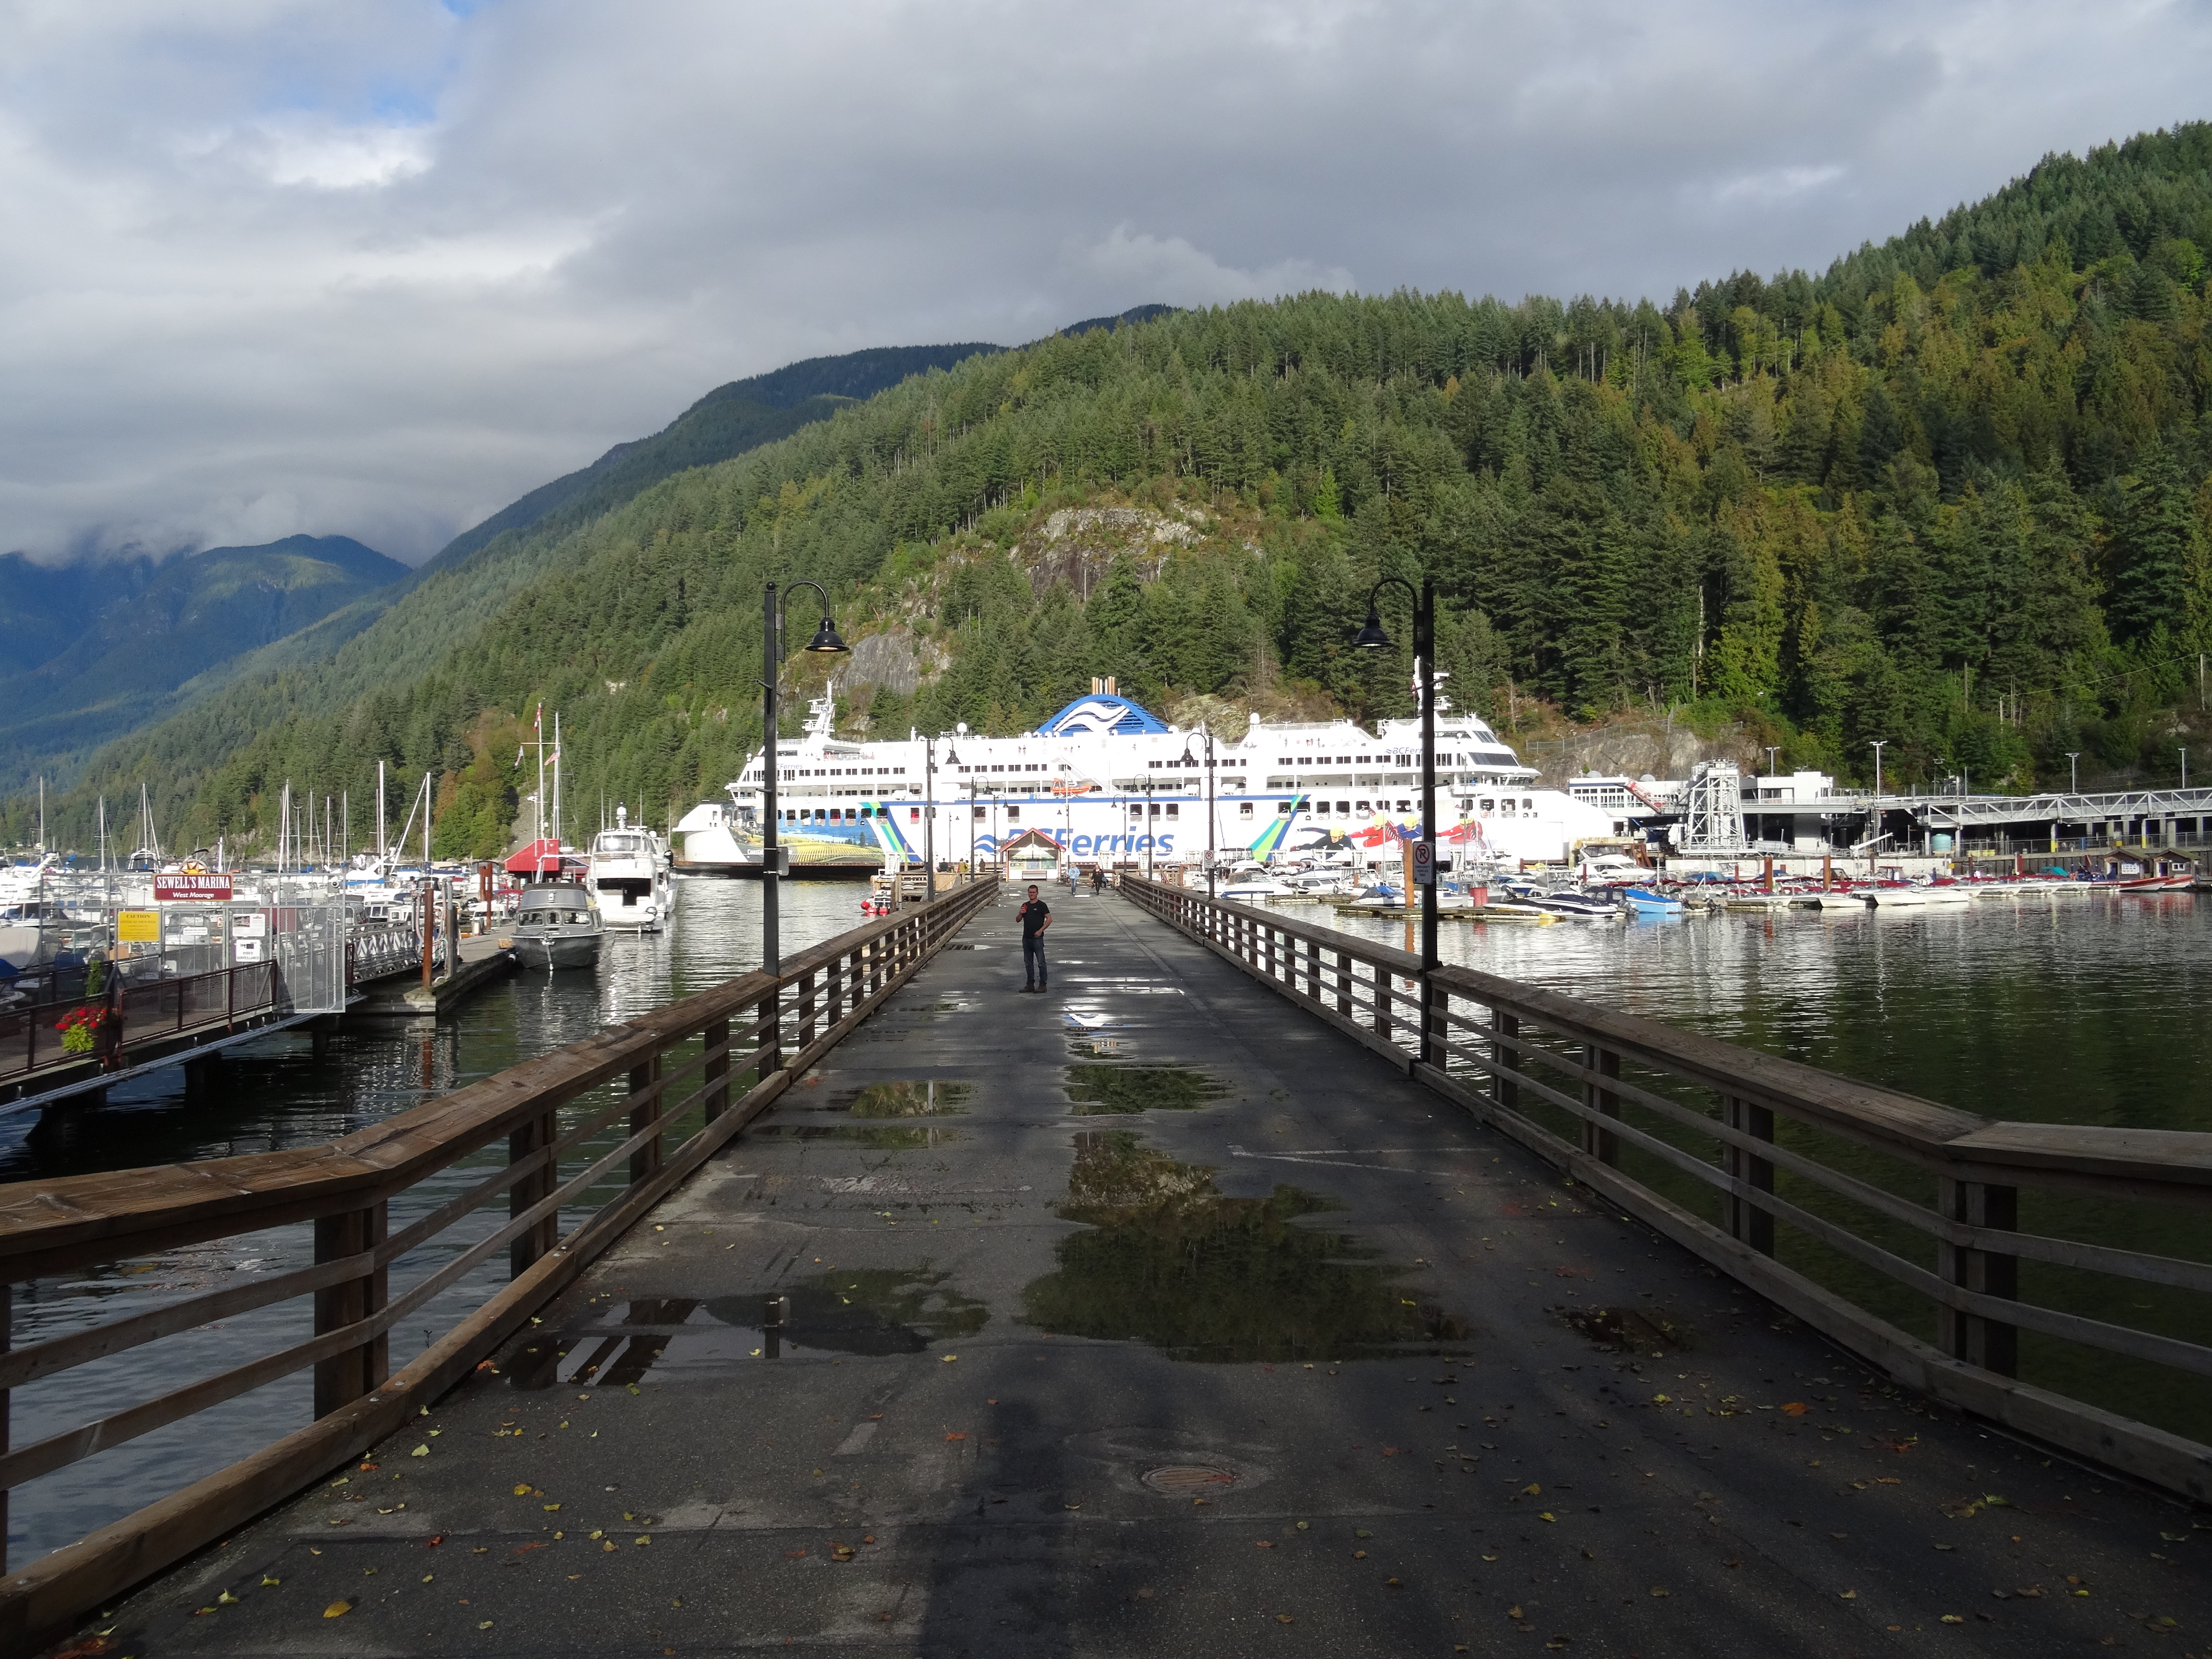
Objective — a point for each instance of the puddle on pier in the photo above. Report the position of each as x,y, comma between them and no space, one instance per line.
841,1311
1630,1330
1108,1091
878,1137
1169,1260
905,1098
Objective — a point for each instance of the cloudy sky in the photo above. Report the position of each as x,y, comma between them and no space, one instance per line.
376,267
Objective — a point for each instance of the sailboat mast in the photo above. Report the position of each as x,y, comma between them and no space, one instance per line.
379,814
557,780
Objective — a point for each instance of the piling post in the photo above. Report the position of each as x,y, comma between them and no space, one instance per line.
1598,1141
1504,1087
1991,1344
533,1241
645,1162
1747,1221
345,1377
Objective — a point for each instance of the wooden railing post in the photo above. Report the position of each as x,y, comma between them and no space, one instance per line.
1435,1003
1313,968
645,1162
1382,996
347,1376
532,1242
1747,1221
1991,1344
1597,1141
806,1007
833,987
7,1340
767,1050
1344,983
1504,1087
716,1071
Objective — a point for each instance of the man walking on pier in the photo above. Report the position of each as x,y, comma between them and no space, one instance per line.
1036,916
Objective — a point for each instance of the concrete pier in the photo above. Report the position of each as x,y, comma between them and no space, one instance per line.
1152,1317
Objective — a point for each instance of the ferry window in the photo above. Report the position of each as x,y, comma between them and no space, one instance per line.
1136,809
1283,808
1244,809
913,815
867,812
1344,806
1171,809
1490,806
1155,809
1527,806
1013,815
820,816
1360,805
978,813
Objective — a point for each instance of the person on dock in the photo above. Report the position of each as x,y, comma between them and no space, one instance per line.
1036,916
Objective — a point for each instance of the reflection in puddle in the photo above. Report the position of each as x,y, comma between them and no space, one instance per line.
873,1310
1169,1260
881,1137
911,1097
1099,1091
1095,1047
1632,1330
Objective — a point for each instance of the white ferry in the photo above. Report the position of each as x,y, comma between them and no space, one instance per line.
1115,786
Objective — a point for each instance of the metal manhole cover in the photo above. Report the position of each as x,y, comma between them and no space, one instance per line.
1182,1480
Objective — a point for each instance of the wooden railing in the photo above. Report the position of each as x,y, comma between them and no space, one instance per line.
137,1012
1915,1234
722,1055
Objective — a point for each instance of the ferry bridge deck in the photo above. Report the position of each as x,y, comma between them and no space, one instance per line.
1156,1316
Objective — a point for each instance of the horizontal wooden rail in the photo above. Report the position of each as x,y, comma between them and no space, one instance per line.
753,1036
1582,1084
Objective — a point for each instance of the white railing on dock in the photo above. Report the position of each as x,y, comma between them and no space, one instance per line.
1929,1240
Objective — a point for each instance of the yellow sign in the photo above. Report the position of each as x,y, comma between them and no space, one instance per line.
138,927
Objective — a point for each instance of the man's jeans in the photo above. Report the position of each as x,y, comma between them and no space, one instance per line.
1033,961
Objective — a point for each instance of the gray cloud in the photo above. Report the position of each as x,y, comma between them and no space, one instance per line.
273,265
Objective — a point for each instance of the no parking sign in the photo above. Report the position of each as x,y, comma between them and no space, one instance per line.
1424,864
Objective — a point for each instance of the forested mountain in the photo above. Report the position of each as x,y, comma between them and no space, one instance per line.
1952,493
115,640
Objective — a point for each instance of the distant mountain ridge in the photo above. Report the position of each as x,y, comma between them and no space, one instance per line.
98,648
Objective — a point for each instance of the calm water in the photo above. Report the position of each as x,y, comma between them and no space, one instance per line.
2087,1010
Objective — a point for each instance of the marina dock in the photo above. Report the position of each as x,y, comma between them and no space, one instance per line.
402,995
1250,1291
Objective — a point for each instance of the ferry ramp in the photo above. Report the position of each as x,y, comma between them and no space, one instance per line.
1154,1315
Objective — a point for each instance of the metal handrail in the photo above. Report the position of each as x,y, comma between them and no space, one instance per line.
1669,1123
725,1054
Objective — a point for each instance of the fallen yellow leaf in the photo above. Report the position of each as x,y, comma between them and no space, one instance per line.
522,1490
338,1609
419,1451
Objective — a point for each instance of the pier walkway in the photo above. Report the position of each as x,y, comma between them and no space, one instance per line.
1157,1316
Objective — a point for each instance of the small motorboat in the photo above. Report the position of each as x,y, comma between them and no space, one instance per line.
557,925
1644,901
1578,906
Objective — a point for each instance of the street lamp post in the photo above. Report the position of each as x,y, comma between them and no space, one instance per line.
1873,811
2073,771
1189,760
1371,637
825,643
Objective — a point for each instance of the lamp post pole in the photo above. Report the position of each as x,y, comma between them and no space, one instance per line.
928,819
1210,855
825,643
1372,636
1873,811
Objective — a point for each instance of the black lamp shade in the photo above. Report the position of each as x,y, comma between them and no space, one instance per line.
1370,637
827,642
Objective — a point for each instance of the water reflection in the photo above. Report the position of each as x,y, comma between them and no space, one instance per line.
1101,1090
1169,1260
